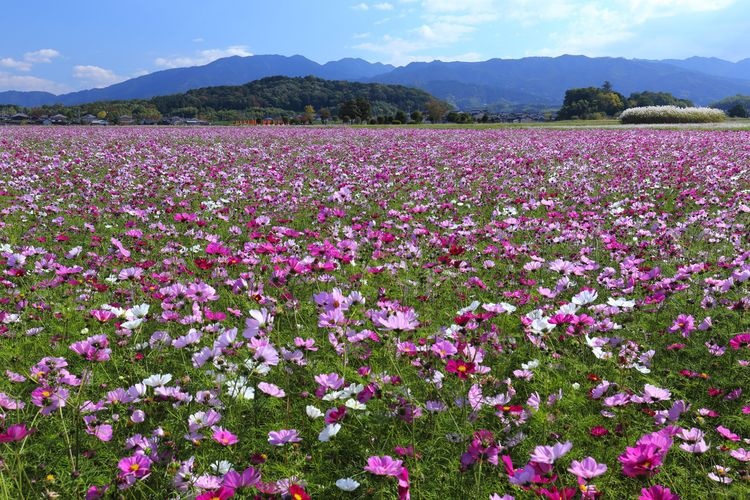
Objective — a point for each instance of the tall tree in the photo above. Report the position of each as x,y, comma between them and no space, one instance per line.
436,109
309,115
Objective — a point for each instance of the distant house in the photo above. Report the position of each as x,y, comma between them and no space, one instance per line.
195,121
19,118
125,120
87,119
99,122
58,119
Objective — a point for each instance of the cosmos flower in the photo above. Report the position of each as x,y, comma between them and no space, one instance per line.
588,468
383,466
284,436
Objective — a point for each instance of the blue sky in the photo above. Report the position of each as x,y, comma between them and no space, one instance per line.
62,46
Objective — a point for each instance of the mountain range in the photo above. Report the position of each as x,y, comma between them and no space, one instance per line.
495,84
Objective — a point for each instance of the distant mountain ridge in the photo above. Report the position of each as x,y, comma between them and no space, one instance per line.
495,83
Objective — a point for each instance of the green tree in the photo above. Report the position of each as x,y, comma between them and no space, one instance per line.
737,111
325,115
436,109
400,116
309,115
417,116
590,102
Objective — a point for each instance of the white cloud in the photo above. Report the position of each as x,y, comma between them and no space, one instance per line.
29,83
202,57
383,6
593,27
41,56
96,76
29,58
443,23
361,6
9,62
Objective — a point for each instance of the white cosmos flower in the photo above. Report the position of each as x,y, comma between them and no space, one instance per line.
347,484
585,297
328,432
354,404
530,365
221,466
313,412
620,302
238,390
157,380
569,308
132,324
139,311
470,308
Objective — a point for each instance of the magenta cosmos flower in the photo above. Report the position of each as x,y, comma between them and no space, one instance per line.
15,432
657,492
137,466
383,466
224,437
641,460
685,324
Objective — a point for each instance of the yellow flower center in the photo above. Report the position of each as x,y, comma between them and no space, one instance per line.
134,467
461,368
46,394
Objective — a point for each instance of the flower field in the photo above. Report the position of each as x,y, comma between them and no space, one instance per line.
351,313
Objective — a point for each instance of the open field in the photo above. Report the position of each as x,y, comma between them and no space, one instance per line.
374,313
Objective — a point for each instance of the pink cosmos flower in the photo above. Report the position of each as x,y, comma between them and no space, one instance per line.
220,494
657,492
727,434
15,432
137,466
588,468
403,484
235,480
224,437
102,315
400,320
741,454
272,389
383,466
685,324
641,460
740,340
284,436
548,454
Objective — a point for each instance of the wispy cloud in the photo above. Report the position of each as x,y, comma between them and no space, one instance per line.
361,6
96,76
383,6
29,83
41,56
592,28
580,26
9,62
202,57
443,23
29,59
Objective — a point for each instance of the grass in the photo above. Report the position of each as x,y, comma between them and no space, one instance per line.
415,220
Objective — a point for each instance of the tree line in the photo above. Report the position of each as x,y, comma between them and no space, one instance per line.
601,102
286,99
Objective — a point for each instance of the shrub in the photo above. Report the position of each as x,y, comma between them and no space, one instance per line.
671,114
